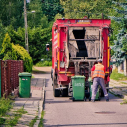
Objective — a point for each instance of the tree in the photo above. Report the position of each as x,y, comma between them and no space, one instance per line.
7,47
91,8
16,52
36,19
11,12
51,8
120,44
2,34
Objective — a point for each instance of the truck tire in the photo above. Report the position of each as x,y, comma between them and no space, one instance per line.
64,92
56,91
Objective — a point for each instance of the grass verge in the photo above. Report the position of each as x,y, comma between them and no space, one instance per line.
13,120
124,102
44,63
5,105
41,119
8,117
117,76
31,124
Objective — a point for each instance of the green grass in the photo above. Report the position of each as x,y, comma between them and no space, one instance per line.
44,63
117,76
5,105
124,82
10,120
13,120
41,119
124,102
33,121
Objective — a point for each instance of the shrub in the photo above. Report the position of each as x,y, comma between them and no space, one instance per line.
22,54
44,63
16,52
50,63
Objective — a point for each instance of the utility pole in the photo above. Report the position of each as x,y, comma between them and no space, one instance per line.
26,31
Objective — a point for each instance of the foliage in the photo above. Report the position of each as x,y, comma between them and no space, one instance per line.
6,47
5,105
11,12
36,19
120,46
22,54
124,102
14,120
37,38
44,63
117,76
91,8
33,121
2,33
41,119
51,8
17,36
16,52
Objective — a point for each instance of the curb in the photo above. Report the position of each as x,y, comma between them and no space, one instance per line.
118,95
40,105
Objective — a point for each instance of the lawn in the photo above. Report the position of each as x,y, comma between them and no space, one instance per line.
117,76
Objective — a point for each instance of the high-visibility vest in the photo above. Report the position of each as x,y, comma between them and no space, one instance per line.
99,71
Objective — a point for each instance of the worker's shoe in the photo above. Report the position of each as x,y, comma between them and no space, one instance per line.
107,100
92,100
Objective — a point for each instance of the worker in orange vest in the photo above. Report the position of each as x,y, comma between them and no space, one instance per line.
98,75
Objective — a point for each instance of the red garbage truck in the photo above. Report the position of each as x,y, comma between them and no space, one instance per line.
76,45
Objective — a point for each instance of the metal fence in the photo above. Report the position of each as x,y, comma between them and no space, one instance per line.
9,80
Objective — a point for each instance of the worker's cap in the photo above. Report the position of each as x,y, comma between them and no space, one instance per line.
99,60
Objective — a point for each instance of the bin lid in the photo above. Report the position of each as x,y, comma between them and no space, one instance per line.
78,76
24,74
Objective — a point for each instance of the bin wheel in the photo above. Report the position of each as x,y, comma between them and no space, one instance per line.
89,98
85,99
73,99
99,98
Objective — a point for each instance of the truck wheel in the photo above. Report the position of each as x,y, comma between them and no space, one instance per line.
65,92
56,91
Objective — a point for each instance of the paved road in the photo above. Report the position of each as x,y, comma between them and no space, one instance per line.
62,112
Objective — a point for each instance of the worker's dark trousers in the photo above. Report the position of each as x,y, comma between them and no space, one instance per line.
98,81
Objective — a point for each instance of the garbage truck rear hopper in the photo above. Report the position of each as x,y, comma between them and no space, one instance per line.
76,46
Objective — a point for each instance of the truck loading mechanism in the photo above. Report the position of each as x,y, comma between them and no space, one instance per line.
75,49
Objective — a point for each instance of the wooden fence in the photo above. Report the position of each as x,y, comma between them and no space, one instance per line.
9,80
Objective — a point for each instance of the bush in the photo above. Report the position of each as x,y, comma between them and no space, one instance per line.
44,63
16,52
50,63
22,54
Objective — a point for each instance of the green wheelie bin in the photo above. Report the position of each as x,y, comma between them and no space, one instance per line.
90,87
78,85
24,84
